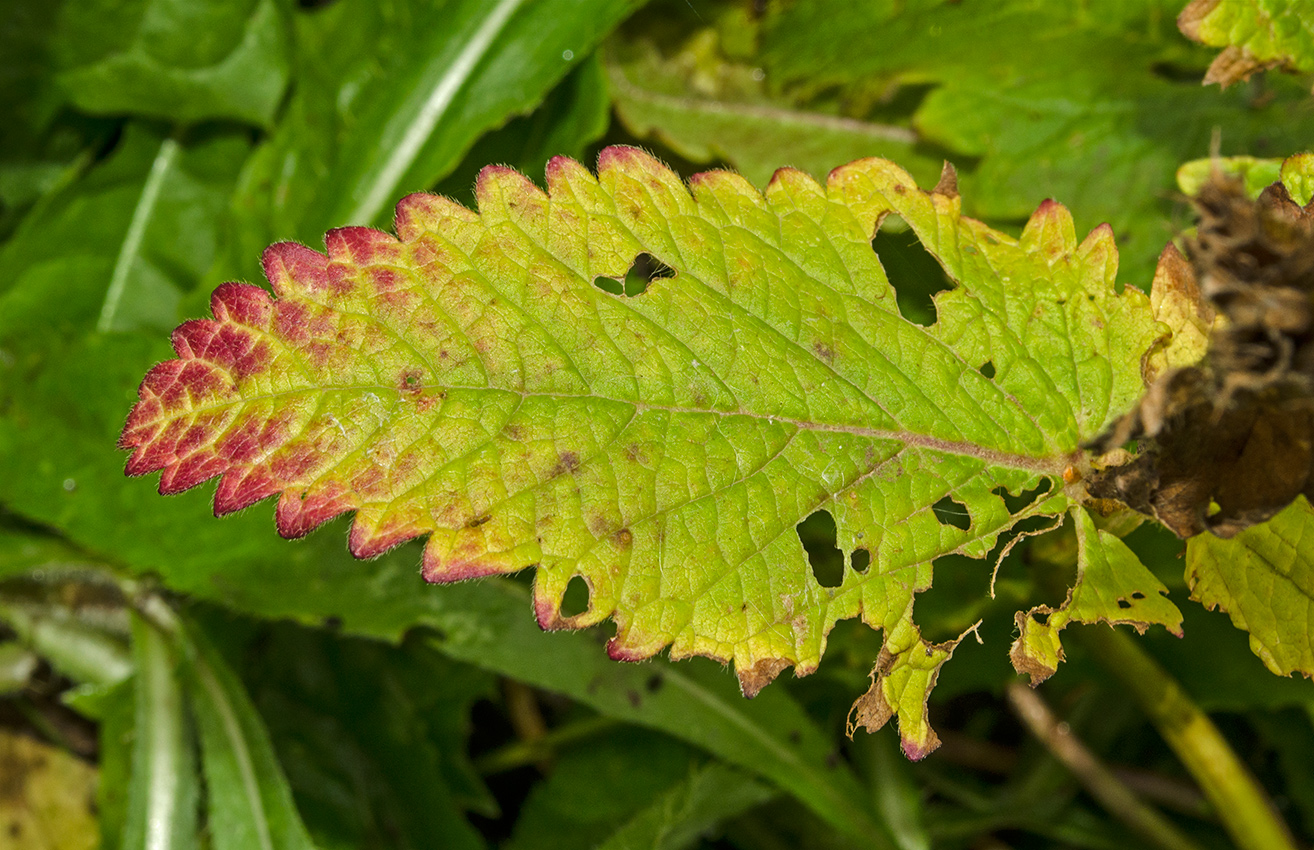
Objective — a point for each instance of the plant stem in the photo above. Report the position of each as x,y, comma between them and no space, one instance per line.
1236,795
520,753
1116,798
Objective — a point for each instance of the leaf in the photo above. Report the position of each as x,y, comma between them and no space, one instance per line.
41,143
469,382
248,802
76,646
1255,34
180,61
47,796
1112,586
1262,579
391,96
601,784
681,816
1296,173
83,238
116,742
372,737
1119,96
709,107
162,796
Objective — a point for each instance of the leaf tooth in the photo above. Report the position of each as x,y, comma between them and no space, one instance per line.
563,173
437,571
368,540
504,194
293,268
242,303
241,490
423,212
1050,230
187,472
300,513
363,246
759,674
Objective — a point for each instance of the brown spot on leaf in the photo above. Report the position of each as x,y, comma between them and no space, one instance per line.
824,351
411,382
624,538
478,521
566,462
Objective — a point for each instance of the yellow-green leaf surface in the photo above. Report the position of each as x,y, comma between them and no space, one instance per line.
468,380
1264,580
1254,34
1112,586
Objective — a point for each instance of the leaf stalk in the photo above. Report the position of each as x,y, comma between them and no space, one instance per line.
1237,796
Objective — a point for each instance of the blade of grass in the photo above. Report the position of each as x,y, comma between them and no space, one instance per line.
163,790
141,217
249,801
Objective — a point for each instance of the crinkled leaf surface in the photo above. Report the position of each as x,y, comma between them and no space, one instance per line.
468,381
1263,579
1254,34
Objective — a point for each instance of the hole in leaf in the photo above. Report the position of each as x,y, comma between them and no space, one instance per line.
644,270
1124,604
1137,595
915,275
949,511
988,369
860,560
575,601
610,285
818,535
1024,499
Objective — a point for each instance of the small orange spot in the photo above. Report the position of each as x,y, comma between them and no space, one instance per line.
1071,475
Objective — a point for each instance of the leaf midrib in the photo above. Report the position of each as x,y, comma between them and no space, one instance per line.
1048,465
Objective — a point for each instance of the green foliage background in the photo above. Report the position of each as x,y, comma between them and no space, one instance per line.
293,697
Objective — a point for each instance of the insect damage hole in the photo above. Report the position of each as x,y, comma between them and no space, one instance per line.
949,511
913,272
644,270
988,370
859,561
575,600
818,535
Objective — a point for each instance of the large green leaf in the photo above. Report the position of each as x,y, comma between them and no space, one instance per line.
391,95
181,61
470,382
1103,126
708,106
